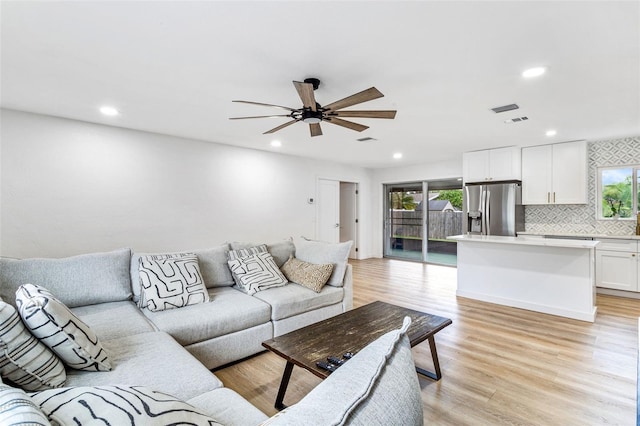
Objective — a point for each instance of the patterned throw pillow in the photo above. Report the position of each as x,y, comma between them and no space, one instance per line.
244,252
17,408
117,405
60,329
307,274
237,253
256,272
171,281
23,359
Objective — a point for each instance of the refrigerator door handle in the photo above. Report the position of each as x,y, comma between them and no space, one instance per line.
487,216
482,211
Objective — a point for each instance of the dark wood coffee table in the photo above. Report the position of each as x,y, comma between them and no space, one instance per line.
350,332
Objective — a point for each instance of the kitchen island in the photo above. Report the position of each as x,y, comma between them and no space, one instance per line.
553,276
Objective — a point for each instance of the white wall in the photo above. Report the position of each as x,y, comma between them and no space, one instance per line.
417,173
70,187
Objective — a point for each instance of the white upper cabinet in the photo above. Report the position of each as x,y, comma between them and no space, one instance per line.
555,174
492,165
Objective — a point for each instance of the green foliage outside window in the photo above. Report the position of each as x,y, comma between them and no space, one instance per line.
402,201
616,195
454,196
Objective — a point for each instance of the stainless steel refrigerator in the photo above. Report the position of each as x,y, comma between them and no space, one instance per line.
493,209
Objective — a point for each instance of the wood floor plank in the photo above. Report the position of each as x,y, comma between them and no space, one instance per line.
500,365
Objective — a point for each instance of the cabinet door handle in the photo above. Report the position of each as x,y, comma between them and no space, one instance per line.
548,198
554,197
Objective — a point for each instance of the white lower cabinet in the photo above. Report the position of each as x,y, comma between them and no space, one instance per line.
617,265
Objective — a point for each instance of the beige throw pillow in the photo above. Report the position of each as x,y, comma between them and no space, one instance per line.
310,275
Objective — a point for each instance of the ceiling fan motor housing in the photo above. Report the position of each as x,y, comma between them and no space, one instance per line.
314,82
311,117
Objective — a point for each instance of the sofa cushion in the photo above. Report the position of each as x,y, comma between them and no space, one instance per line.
307,274
60,329
170,281
294,299
378,386
17,408
229,311
227,407
150,359
321,252
213,265
118,405
76,281
114,319
256,272
280,250
24,359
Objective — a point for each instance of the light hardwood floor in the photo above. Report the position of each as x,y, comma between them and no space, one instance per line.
500,365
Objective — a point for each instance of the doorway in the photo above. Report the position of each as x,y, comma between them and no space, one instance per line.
419,216
337,212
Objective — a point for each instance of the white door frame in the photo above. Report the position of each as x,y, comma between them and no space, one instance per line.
319,207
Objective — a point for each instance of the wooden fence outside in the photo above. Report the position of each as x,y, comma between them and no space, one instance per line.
408,224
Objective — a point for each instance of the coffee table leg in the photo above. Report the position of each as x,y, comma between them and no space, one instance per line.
283,386
436,365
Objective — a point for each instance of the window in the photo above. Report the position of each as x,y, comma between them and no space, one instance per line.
616,189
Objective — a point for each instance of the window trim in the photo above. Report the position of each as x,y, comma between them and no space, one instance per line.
635,173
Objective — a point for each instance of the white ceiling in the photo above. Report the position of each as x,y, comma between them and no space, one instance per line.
174,67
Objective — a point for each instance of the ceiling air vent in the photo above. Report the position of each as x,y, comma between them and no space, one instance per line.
505,108
366,139
516,120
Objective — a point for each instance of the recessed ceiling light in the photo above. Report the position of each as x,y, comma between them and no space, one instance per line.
276,144
551,133
397,155
534,72
110,111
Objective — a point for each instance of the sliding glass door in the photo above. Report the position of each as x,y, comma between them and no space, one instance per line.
419,216
444,218
404,229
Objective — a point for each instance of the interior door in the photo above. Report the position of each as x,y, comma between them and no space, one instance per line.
348,215
328,227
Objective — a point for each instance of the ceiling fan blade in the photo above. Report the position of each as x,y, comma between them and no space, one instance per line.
348,124
305,91
259,116
366,114
282,126
364,96
315,129
269,105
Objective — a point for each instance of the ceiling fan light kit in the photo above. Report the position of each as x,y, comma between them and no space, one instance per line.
312,113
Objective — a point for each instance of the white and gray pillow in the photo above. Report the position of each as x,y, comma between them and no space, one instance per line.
246,251
171,281
17,408
60,329
24,360
256,272
118,405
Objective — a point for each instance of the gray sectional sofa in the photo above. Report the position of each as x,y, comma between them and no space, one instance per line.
172,351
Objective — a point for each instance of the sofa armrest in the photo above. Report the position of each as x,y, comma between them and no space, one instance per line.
347,302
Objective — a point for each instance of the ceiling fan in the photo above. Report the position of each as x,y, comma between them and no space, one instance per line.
313,113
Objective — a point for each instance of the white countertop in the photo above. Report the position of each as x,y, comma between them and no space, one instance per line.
569,235
523,240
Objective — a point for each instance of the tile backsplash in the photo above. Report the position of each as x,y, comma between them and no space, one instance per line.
582,218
